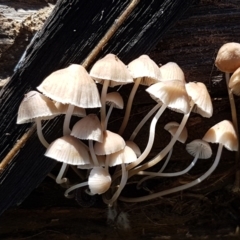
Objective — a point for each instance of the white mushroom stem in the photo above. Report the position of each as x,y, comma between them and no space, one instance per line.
179,188
160,174
144,120
165,151
120,188
236,186
93,155
161,170
150,139
59,179
40,134
103,103
129,106
66,129
108,114
83,184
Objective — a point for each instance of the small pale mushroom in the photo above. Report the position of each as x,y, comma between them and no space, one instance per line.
109,71
171,71
222,133
144,72
68,150
34,108
89,128
73,86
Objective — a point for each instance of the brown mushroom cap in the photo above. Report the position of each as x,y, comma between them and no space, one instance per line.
111,68
35,105
234,82
228,57
145,68
224,133
71,85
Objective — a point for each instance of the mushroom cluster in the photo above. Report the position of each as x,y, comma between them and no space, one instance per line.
90,145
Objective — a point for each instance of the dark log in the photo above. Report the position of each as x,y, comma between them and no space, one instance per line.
68,36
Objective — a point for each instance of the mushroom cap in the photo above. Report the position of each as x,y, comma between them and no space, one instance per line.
88,128
234,82
71,85
172,128
145,68
114,98
201,98
202,146
111,143
171,71
228,57
62,108
35,105
224,133
134,147
172,93
69,150
126,155
101,160
99,180
111,68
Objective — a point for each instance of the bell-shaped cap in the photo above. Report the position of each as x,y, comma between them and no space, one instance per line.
115,99
172,93
134,147
78,111
200,147
234,82
111,143
68,149
35,105
145,68
228,57
71,85
88,128
223,133
172,128
171,71
126,155
201,98
111,68
99,180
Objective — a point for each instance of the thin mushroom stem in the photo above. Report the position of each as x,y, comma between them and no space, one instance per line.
59,179
150,139
161,170
236,186
165,151
83,184
179,188
66,129
129,106
144,120
93,155
160,174
120,188
103,101
40,134
108,115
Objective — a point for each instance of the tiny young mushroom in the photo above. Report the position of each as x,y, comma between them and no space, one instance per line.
68,150
89,128
109,71
34,108
114,100
222,133
145,72
73,86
